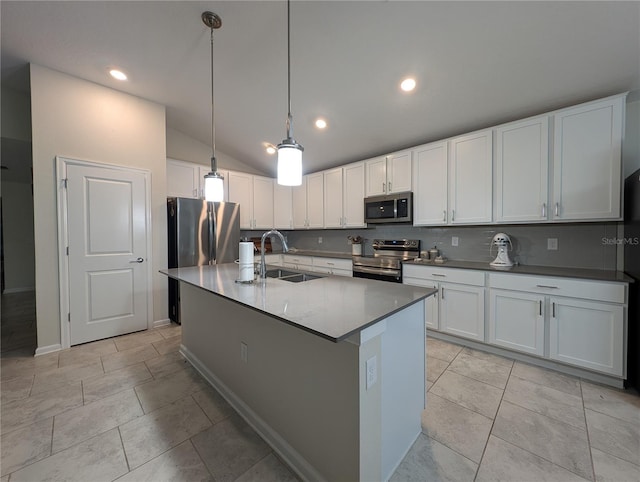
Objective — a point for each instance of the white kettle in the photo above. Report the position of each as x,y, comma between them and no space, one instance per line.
502,260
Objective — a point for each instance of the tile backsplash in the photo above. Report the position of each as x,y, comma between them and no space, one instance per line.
586,245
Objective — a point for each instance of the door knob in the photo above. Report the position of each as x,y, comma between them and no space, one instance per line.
137,260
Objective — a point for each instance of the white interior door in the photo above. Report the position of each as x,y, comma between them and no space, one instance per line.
107,239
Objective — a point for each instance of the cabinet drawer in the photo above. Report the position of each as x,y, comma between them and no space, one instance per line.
587,289
298,260
450,275
333,263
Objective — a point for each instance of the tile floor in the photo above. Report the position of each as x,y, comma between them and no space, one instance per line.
131,409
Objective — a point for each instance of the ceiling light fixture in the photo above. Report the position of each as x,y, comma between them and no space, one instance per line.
118,74
270,149
289,151
213,182
321,123
408,84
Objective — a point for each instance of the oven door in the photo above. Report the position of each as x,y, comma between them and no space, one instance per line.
382,274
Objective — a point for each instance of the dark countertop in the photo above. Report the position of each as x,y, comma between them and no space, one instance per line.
592,274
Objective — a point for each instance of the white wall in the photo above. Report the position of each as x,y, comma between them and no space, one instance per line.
16,121
184,148
17,231
82,120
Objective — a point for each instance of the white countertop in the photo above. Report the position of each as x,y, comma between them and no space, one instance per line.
333,307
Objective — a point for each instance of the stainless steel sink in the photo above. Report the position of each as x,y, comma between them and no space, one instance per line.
292,276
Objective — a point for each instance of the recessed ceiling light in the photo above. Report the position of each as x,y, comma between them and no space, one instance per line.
118,74
321,123
270,148
408,84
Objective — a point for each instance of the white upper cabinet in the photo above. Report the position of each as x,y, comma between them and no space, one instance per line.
587,161
262,202
430,184
470,178
333,204
282,207
308,202
389,174
522,171
344,196
353,195
182,179
241,192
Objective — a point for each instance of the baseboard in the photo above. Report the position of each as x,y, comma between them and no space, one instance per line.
290,455
18,290
159,323
43,350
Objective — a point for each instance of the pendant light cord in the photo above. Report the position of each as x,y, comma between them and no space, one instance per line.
289,116
214,163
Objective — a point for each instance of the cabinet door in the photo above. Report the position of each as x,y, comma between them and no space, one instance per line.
353,195
587,334
376,176
315,200
399,172
470,178
262,202
462,310
203,171
516,321
587,161
282,207
522,171
430,184
241,192
181,179
333,198
299,205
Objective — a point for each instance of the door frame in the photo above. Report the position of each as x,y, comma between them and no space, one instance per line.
63,260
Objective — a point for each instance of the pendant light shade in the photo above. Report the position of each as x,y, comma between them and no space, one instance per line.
213,182
289,151
214,187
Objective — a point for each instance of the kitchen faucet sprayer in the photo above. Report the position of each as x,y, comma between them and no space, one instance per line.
285,248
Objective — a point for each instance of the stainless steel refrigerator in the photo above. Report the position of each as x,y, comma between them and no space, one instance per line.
199,233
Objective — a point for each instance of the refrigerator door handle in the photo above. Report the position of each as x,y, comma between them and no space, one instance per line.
211,216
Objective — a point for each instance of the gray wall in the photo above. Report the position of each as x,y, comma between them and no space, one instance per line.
579,245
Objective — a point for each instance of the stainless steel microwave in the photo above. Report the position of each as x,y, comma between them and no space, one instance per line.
390,208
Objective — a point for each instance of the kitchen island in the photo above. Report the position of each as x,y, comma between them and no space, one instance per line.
330,371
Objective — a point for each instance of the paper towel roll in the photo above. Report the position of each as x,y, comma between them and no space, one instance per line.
245,264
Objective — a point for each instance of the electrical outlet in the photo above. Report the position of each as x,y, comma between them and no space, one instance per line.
244,352
319,239
454,241
552,244
372,371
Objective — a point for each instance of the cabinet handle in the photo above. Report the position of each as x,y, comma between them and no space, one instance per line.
442,293
540,307
553,310
453,215
384,185
547,286
438,274
389,184
330,264
557,210
544,210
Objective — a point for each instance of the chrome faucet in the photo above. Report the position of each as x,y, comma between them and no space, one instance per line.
285,248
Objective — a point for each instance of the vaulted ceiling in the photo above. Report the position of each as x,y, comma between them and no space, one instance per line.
476,64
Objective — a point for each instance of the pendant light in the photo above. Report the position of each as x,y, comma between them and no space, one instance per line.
289,151
214,181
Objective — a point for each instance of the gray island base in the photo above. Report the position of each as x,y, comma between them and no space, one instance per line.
330,372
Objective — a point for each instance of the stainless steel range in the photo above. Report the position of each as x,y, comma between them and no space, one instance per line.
386,262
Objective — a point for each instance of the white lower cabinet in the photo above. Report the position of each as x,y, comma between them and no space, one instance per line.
319,264
588,334
516,321
458,307
584,320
